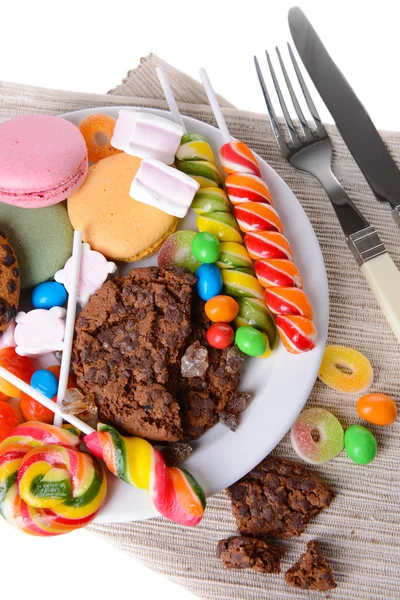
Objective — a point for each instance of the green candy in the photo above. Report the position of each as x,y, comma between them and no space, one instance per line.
254,312
234,256
211,199
360,444
251,341
206,247
203,171
195,147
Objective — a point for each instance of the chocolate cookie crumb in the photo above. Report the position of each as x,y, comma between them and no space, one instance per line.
176,453
229,420
9,284
278,498
240,552
311,571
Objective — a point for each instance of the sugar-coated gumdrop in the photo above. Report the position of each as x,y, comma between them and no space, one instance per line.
378,409
221,309
177,251
49,294
220,335
251,341
360,444
209,281
45,382
97,131
194,362
206,247
317,436
345,370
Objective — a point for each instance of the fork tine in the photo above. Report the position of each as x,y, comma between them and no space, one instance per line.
292,131
271,113
304,125
320,128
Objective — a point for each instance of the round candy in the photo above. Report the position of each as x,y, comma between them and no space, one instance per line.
223,225
206,247
45,382
209,281
298,334
239,283
220,335
9,419
236,157
177,251
20,366
49,294
222,309
317,436
345,370
203,171
267,244
210,199
194,147
254,312
33,411
234,256
288,301
98,131
257,216
242,187
251,341
280,272
360,444
378,409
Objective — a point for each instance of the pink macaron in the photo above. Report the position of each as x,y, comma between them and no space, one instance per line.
43,159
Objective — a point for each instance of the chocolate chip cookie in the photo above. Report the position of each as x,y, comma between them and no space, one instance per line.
278,498
241,552
9,283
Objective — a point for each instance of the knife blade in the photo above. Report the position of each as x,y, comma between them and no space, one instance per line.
350,116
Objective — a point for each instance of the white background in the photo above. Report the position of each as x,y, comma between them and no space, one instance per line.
89,46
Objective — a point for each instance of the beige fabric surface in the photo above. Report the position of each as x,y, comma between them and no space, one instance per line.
360,531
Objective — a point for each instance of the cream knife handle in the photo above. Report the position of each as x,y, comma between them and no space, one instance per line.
384,280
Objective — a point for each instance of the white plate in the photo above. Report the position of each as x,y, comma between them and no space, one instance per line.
280,384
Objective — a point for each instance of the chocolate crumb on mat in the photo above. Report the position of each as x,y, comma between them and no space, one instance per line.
241,552
278,498
311,571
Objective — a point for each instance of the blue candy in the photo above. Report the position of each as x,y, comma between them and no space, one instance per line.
45,382
209,281
49,294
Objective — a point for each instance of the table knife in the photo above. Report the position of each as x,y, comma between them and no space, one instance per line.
350,116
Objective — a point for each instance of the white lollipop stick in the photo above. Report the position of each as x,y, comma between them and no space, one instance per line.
70,322
212,98
169,96
47,402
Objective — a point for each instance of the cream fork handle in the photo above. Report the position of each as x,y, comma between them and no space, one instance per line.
383,278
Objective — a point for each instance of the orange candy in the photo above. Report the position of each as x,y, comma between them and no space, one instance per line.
97,131
378,409
9,419
221,309
20,366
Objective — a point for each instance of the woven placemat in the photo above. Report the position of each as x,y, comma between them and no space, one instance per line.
359,533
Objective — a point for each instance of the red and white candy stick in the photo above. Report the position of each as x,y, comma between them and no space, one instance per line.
263,237
70,322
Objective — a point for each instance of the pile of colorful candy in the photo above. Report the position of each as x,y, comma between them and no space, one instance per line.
317,436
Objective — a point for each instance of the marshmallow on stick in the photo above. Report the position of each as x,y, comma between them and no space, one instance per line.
70,321
147,136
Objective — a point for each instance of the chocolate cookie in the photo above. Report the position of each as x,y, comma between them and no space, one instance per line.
311,572
278,498
240,552
128,343
9,283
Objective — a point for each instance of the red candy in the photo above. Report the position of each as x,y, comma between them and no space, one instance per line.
220,335
236,157
20,366
257,216
288,301
267,244
297,333
9,419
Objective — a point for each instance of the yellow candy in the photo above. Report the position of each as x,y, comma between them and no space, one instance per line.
234,255
345,370
239,284
223,225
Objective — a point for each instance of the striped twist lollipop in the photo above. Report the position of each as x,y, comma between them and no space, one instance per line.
47,486
174,492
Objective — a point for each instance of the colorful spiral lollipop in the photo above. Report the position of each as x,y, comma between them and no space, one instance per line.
236,157
47,486
174,492
195,147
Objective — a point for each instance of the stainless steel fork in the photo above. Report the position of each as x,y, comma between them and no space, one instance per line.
311,152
